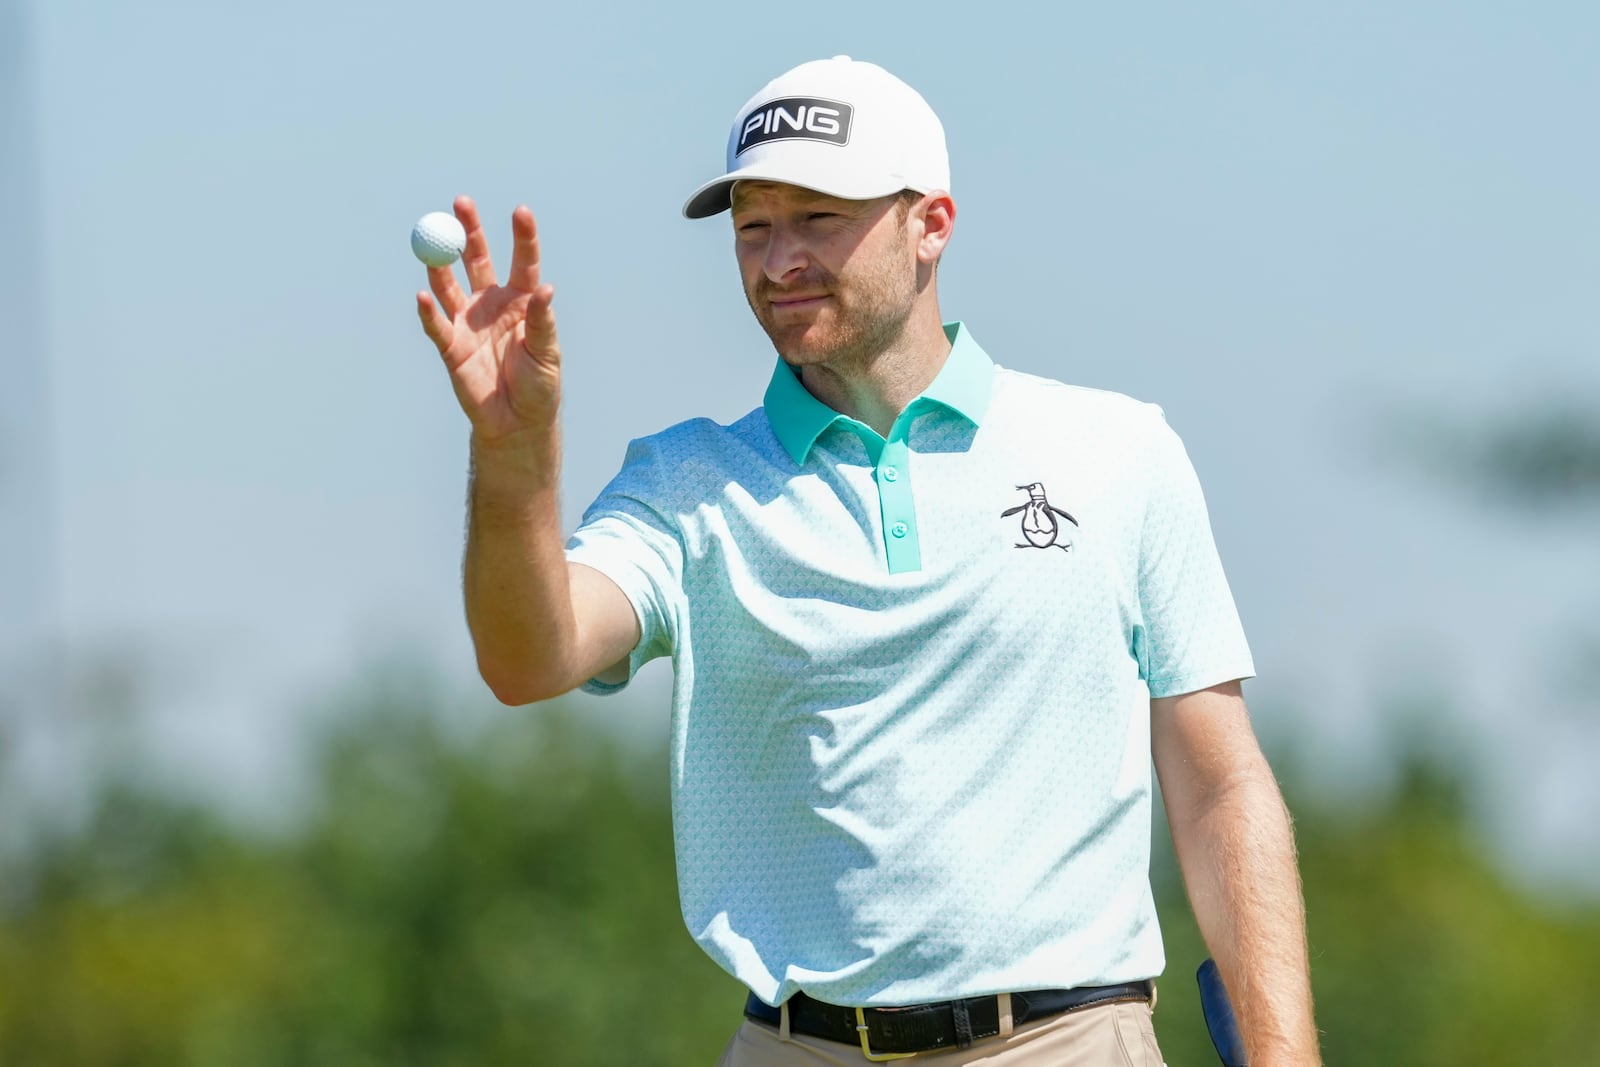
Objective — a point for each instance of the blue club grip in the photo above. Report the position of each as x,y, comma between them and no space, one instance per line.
1218,1010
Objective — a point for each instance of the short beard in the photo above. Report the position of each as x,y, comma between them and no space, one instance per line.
880,301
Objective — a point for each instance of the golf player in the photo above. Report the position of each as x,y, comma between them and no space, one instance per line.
931,620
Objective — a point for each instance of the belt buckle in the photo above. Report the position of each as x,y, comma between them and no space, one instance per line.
866,1046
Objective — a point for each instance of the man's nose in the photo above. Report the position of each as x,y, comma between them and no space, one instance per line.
786,254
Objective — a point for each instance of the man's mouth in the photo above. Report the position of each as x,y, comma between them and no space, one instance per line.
796,301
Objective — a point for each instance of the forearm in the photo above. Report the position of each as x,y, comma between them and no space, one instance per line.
514,574
1238,859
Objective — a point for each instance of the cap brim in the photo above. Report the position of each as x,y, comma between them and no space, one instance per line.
712,198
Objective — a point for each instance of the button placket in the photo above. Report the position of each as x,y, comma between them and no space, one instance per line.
897,506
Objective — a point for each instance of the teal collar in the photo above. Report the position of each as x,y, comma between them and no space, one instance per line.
963,386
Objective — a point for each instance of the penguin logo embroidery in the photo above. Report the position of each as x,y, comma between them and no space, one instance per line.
1039,525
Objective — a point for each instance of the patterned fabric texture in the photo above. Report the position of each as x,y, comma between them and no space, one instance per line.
891,788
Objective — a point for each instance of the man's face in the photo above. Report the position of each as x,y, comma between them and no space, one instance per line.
830,280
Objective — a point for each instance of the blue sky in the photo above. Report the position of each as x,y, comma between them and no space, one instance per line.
1286,225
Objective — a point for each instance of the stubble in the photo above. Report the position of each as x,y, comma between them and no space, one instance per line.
866,314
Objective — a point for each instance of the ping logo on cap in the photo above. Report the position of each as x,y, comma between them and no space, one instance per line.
792,118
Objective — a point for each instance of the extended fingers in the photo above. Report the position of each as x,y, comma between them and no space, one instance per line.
524,251
442,280
539,327
434,322
475,258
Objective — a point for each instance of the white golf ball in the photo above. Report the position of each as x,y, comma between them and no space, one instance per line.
438,239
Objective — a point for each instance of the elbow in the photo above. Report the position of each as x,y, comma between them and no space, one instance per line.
511,694
520,684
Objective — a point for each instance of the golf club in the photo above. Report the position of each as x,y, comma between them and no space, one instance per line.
1218,1010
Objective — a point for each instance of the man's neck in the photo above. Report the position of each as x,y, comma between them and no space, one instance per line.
877,389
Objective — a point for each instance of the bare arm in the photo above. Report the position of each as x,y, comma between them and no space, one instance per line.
1235,845
540,625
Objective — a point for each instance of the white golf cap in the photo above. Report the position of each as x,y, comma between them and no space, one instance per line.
841,127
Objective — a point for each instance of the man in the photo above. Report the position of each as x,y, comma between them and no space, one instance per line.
930,619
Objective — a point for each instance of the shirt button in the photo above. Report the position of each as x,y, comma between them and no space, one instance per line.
899,529
890,474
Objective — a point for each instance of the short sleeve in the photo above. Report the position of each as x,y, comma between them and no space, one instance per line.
1190,635
630,535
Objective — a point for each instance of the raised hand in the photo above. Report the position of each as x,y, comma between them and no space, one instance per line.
499,344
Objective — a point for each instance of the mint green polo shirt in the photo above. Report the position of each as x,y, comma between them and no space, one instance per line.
798,419
910,741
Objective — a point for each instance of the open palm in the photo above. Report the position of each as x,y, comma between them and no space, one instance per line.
498,343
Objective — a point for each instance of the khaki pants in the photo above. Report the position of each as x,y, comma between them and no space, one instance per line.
1118,1034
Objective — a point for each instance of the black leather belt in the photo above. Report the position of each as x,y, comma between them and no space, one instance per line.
925,1027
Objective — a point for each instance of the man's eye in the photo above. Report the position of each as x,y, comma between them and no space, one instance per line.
752,227
822,215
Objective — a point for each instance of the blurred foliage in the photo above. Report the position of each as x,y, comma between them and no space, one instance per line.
1541,460
1544,458
1552,457
509,898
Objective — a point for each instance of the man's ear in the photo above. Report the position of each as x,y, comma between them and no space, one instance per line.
937,212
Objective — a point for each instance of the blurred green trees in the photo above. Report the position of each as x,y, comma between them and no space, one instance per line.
509,898
1544,458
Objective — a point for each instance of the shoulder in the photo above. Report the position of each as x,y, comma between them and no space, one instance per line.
1018,393
705,441
691,461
